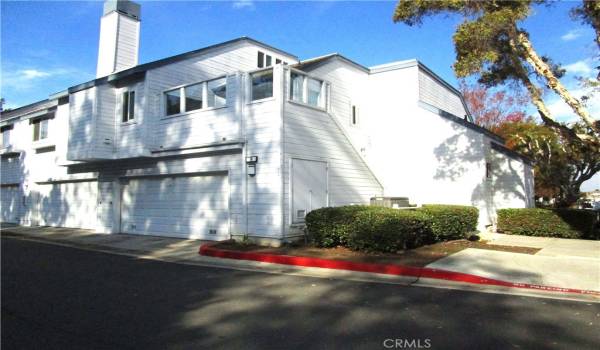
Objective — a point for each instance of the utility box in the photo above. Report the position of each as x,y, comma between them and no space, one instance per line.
390,202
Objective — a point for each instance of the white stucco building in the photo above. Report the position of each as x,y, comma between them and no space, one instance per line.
241,138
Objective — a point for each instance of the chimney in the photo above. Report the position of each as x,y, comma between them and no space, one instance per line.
119,37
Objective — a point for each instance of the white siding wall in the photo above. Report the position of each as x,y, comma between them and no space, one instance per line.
318,135
104,126
512,183
433,92
81,123
128,41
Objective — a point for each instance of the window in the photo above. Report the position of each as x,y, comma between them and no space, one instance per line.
197,96
269,61
260,59
193,97
488,170
354,117
5,132
128,106
217,92
40,129
307,90
262,84
277,61
173,102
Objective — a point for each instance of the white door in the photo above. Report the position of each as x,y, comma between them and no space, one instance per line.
10,204
183,206
309,187
66,204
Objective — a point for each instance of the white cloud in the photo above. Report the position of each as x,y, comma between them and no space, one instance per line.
26,78
243,4
562,112
579,67
571,35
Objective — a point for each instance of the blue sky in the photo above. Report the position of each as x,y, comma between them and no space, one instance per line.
49,46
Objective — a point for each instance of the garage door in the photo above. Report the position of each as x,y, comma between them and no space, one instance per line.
10,203
66,204
183,206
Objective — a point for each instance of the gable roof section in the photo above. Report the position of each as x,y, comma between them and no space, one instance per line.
142,68
316,62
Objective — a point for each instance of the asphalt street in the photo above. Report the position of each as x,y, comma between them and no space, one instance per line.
56,297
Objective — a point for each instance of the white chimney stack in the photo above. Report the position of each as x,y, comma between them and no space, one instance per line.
119,37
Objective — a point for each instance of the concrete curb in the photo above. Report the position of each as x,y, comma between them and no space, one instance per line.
386,269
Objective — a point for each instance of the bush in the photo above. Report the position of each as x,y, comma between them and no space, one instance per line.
450,222
563,223
382,229
388,230
328,227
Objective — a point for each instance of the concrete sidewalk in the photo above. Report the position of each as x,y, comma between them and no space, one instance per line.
183,251
565,263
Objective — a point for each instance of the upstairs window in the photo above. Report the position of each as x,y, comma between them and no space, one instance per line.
262,84
173,102
198,96
5,134
307,90
217,92
354,116
40,129
128,106
263,60
193,97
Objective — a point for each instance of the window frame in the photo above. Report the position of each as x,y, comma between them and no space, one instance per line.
37,129
323,95
249,85
130,115
182,98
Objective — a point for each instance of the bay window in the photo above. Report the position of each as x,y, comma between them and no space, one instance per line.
197,96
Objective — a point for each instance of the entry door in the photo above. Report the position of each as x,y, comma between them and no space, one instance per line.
309,187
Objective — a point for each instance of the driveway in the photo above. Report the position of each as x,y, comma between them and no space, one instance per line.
57,297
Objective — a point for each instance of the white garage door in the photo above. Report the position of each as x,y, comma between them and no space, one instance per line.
183,206
66,204
10,204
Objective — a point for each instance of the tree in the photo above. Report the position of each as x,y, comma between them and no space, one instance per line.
562,164
492,108
490,43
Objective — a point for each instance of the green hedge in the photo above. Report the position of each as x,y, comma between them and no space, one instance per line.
389,230
381,229
451,221
563,223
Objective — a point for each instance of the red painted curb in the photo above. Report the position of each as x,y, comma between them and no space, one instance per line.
387,269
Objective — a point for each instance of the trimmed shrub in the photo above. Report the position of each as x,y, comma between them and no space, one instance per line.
563,223
388,230
328,227
450,222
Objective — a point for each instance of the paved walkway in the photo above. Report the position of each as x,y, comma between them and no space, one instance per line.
567,263
566,272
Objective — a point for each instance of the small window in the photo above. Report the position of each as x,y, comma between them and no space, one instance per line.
269,61
40,129
277,61
262,84
314,92
5,132
354,117
260,60
488,170
217,92
193,97
173,102
297,87
128,106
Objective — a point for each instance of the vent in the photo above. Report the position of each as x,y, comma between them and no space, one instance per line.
212,231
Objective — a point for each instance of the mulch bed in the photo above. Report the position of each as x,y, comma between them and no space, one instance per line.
418,257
